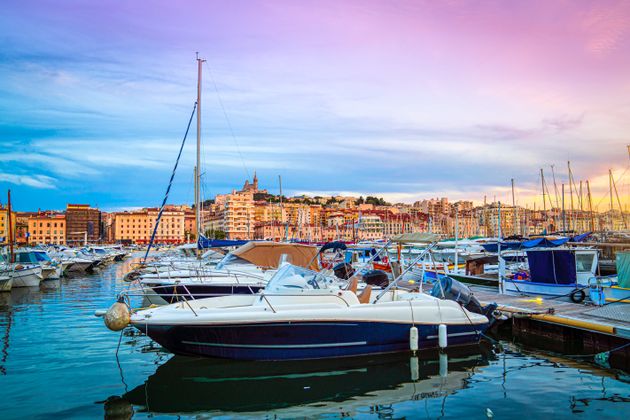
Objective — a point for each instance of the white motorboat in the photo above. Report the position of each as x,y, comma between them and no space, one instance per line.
243,271
302,314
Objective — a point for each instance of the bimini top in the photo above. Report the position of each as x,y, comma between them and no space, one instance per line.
414,238
268,254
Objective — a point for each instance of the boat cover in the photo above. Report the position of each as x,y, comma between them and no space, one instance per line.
268,254
204,243
334,246
623,268
418,237
552,266
532,243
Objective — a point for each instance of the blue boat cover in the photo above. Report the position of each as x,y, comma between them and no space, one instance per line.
581,238
552,266
532,243
204,243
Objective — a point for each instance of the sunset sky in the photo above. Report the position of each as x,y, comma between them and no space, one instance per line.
400,99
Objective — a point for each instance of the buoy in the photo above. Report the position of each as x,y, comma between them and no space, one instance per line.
442,336
414,366
413,338
117,316
443,365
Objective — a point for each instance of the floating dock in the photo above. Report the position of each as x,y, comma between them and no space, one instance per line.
565,327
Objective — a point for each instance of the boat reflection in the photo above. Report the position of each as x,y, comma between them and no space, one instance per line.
343,386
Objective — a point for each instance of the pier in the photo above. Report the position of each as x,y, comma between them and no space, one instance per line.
565,327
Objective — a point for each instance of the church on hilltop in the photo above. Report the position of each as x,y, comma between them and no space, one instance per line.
253,187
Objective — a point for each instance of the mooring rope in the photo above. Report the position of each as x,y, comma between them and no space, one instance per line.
170,183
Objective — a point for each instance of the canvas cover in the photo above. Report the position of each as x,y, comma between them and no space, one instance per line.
552,266
267,254
623,269
418,237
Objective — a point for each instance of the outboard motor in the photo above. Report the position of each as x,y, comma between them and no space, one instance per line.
343,270
448,288
376,278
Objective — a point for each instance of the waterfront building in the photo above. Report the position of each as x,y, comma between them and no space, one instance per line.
83,224
137,226
47,228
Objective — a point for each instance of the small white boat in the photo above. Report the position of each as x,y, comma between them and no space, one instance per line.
25,275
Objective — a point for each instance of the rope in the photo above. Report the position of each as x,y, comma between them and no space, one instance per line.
170,183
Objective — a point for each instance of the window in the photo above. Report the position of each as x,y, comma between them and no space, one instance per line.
584,262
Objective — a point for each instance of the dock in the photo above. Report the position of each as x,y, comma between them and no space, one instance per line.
565,327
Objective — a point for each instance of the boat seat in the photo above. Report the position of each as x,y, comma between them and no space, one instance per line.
352,286
364,296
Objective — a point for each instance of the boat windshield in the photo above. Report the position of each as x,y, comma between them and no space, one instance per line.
231,260
294,277
41,256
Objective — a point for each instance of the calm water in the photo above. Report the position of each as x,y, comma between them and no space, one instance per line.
58,360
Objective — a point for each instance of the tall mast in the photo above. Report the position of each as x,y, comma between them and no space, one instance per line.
581,218
571,185
564,214
590,205
610,186
10,220
198,165
542,184
514,213
555,185
623,218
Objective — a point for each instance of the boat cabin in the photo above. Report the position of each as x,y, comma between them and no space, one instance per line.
562,266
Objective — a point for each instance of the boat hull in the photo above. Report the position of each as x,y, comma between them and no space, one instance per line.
161,294
5,284
30,277
295,340
532,288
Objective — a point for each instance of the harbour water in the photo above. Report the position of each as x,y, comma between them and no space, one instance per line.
58,360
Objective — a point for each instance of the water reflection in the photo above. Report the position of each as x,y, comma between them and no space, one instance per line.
343,387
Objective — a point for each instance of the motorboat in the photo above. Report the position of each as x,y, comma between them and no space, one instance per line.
51,270
555,272
302,314
21,275
245,270
74,261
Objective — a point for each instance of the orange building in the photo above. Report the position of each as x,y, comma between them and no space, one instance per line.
47,228
137,226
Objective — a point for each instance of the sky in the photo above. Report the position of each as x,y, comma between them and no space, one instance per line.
401,99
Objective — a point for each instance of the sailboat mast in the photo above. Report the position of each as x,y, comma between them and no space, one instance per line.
514,213
590,205
542,184
10,220
198,165
610,186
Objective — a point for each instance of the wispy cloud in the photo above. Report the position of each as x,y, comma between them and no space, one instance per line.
34,181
